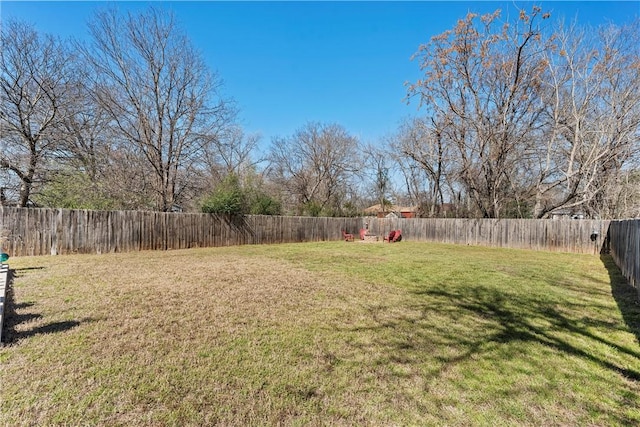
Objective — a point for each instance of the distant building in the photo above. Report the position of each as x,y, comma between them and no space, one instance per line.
566,214
392,211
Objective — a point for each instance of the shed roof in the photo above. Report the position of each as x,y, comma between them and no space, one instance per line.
393,208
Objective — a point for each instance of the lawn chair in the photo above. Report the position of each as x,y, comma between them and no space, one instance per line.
348,237
394,236
391,236
363,232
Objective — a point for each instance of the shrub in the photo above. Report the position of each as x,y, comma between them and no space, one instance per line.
228,198
264,204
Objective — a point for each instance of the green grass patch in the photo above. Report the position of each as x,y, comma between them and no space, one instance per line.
321,333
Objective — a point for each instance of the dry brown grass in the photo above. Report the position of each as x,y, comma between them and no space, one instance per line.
123,326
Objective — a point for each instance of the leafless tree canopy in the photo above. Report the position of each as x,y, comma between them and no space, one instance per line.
525,118
424,156
160,96
315,167
480,87
35,77
591,119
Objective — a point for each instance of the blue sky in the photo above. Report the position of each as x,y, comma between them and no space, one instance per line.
286,63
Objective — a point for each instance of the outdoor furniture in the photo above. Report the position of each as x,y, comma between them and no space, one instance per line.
348,237
394,236
363,232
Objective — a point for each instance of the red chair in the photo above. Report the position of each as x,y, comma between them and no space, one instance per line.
348,237
363,232
392,234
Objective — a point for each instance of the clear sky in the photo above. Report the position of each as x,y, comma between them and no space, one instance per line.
286,63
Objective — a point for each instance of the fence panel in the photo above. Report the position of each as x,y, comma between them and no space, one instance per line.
550,235
624,237
27,231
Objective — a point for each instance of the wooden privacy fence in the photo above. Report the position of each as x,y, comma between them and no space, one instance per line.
624,236
28,231
577,236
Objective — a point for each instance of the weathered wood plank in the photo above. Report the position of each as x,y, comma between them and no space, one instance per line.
624,237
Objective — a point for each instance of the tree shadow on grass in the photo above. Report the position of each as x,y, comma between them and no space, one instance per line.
447,327
522,325
521,319
15,316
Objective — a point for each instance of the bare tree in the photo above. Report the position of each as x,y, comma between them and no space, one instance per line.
315,167
480,86
157,91
592,132
377,170
34,79
535,119
231,152
422,150
85,137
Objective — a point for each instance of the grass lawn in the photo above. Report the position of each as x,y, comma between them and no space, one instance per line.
321,334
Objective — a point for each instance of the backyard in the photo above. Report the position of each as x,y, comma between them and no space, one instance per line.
321,334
